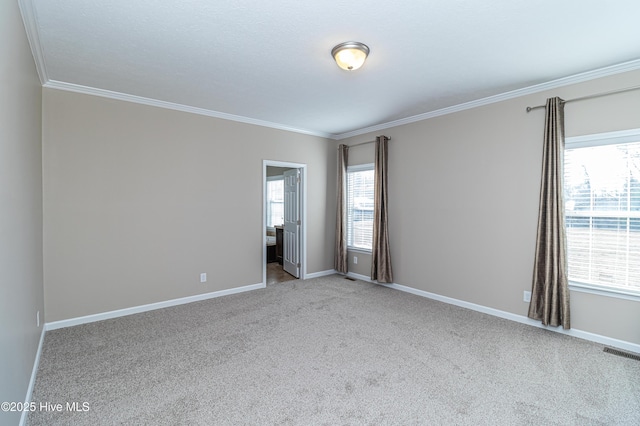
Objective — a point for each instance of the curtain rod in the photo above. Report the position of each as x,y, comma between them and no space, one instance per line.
364,143
613,92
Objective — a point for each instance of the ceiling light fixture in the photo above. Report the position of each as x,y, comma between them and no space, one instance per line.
350,55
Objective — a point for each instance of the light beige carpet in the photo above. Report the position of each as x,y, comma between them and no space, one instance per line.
329,351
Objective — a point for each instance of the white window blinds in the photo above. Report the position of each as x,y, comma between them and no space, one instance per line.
602,211
275,201
360,187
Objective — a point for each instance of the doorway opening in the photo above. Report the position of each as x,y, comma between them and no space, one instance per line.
284,214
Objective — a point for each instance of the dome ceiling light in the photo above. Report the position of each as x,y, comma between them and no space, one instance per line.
350,55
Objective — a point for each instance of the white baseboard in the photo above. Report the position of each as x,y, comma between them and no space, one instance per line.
360,277
150,307
609,341
320,274
32,381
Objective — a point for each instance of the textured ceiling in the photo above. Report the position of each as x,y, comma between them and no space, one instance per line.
269,61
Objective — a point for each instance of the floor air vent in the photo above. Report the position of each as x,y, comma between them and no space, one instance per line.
622,353
349,278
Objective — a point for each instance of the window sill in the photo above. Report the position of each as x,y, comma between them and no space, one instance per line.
359,250
604,291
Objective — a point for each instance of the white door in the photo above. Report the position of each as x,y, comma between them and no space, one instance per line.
291,237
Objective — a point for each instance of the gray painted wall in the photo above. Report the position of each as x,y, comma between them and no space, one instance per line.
140,200
463,195
21,292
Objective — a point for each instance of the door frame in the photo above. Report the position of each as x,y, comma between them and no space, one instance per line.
303,214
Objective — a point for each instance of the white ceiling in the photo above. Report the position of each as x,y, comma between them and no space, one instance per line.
269,62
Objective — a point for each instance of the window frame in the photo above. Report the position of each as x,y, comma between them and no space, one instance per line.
353,169
594,140
267,200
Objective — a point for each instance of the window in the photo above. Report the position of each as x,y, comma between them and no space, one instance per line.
360,202
275,201
602,210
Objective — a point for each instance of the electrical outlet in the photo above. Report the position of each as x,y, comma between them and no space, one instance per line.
203,277
527,296
355,260
38,318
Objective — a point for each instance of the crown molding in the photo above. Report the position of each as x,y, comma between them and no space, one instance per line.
70,87
30,21
565,81
31,26
554,84
33,36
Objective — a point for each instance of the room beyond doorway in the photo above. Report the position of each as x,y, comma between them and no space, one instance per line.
283,221
275,274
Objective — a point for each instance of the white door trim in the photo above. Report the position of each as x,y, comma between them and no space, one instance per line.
303,214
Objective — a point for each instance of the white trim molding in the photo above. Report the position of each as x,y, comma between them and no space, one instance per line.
150,307
70,87
31,25
604,291
32,381
320,274
585,335
302,167
360,277
33,36
554,84
633,347
598,139
574,79
351,249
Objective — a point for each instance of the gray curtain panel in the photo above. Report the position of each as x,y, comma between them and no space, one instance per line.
380,255
341,260
550,289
